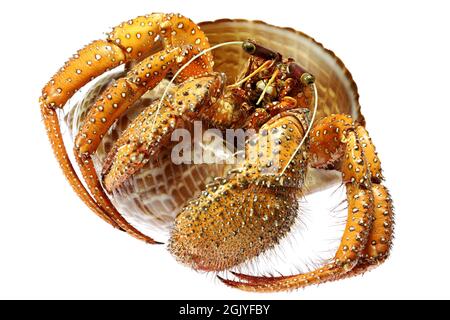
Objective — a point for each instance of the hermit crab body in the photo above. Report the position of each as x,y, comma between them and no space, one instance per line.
251,207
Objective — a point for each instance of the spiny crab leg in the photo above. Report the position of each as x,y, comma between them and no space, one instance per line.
54,133
112,103
131,41
119,96
353,242
368,233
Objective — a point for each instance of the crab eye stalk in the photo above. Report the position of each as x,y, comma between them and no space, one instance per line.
297,72
254,49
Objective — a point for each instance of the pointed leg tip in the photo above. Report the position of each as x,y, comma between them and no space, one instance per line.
228,282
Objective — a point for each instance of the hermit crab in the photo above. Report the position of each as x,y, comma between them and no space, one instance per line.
223,215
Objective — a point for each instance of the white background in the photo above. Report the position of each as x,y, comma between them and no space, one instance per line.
51,246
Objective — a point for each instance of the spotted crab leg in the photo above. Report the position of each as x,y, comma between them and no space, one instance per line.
380,237
336,142
112,103
129,42
54,133
121,94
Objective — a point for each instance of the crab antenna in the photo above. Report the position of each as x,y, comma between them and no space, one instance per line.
272,79
262,67
223,44
307,131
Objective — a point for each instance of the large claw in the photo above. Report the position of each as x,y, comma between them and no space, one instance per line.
253,208
152,129
231,223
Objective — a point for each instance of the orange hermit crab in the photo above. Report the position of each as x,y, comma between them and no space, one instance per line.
251,207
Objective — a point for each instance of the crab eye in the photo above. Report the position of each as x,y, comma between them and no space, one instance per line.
258,50
249,47
307,78
295,71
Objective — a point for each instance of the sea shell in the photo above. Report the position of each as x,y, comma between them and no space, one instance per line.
154,196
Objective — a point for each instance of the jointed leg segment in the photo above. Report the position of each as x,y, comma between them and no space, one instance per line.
159,43
337,143
54,133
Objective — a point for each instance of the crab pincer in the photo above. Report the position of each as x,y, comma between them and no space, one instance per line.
152,129
250,210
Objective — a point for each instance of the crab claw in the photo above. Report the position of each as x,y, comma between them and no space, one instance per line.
138,143
151,131
229,224
250,210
